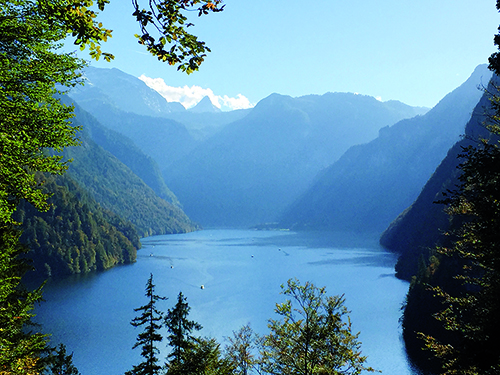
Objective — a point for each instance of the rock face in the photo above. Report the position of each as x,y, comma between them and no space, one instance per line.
124,92
420,226
205,105
248,172
373,183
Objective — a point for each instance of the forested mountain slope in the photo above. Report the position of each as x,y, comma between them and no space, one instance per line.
119,190
417,229
76,235
373,183
254,167
126,151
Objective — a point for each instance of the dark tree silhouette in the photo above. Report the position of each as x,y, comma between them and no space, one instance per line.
151,319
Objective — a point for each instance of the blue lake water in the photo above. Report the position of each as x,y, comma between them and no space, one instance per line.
241,271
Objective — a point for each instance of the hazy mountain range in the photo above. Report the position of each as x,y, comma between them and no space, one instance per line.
373,183
417,229
254,167
337,161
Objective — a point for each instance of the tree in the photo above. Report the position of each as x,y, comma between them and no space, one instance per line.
60,363
180,338
470,311
151,319
240,350
32,119
205,358
21,349
168,18
313,336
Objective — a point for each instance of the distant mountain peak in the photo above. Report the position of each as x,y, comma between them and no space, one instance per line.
205,105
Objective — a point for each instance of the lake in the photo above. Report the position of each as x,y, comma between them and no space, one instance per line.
241,271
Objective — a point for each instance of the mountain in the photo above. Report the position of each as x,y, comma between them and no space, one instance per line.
420,227
123,91
254,167
205,105
75,235
160,138
113,96
373,183
119,190
126,151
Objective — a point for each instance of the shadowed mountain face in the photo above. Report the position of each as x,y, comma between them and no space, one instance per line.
254,167
371,184
420,226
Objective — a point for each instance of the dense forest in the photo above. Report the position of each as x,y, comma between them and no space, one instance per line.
75,235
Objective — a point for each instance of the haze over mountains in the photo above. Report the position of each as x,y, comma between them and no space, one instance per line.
254,167
418,228
246,167
374,182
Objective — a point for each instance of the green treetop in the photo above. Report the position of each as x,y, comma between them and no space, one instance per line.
32,120
180,337
313,335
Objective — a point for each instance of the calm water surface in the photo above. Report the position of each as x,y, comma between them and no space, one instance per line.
241,271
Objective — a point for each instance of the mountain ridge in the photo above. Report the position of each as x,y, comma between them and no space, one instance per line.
372,183
252,168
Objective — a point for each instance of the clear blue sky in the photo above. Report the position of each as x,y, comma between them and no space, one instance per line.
412,51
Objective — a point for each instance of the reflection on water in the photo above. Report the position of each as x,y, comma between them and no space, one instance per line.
241,271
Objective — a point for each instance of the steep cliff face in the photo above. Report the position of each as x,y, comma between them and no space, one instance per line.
373,183
420,226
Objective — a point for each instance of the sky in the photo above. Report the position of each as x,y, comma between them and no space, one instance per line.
412,51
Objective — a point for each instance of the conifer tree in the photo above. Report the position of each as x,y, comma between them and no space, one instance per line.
60,363
21,348
150,319
180,337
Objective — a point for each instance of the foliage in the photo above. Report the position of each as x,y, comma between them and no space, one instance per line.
20,347
240,350
494,59
75,235
473,312
31,118
163,17
453,302
312,337
168,19
204,357
151,319
180,338
59,362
